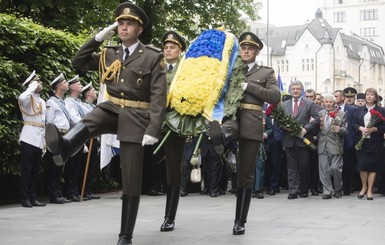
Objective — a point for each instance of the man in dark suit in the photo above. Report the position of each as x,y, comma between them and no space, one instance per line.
260,86
349,155
298,154
136,84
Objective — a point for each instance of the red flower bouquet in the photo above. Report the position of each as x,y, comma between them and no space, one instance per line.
288,122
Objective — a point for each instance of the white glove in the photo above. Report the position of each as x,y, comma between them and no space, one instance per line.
106,33
33,86
149,140
244,86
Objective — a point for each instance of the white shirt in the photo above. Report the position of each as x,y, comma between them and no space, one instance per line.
56,115
131,49
30,105
75,109
250,66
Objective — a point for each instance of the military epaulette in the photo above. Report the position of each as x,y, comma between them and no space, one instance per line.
150,46
112,46
264,67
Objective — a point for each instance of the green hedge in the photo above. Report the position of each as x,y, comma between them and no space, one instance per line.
26,46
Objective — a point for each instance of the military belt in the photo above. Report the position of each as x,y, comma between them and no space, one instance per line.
129,103
36,124
251,107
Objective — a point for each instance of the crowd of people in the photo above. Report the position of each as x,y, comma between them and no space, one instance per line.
258,151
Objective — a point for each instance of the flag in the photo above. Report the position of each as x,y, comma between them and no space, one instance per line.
279,81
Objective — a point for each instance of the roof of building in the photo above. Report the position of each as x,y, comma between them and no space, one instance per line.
282,37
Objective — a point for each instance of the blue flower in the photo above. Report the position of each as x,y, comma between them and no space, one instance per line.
210,43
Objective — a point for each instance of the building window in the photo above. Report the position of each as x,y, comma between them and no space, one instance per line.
368,32
369,14
339,16
287,65
307,64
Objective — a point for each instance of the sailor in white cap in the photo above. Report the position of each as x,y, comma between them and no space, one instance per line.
31,139
57,114
89,95
73,166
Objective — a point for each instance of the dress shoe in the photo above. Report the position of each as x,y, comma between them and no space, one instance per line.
360,196
57,200
213,194
303,195
221,192
259,195
327,196
314,192
338,194
369,198
205,192
74,199
36,203
168,225
233,190
183,193
239,228
65,200
153,192
92,196
292,196
26,203
271,192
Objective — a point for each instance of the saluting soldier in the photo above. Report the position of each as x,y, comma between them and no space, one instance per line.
31,139
136,83
58,115
73,166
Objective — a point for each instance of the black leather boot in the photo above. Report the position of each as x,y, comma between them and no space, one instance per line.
64,147
130,207
242,209
221,135
171,207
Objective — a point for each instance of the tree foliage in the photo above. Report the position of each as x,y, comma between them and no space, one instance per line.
188,17
26,46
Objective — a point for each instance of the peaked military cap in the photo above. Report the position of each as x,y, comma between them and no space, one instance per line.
361,96
31,78
86,88
350,92
250,39
379,98
57,80
174,37
128,10
74,80
286,97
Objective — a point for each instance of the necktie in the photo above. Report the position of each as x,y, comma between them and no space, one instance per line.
127,51
295,110
170,67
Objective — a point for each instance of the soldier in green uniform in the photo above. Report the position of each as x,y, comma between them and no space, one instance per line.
136,86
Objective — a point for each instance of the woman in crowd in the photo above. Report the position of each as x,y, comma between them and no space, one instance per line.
370,127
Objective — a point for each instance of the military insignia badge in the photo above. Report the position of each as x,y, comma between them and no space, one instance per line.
126,10
248,37
170,36
139,82
162,65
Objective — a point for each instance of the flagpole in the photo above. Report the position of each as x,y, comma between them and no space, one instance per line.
267,36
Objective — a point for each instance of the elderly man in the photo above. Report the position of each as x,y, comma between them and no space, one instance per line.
136,83
330,147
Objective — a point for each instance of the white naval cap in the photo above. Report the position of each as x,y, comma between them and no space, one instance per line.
30,78
74,80
86,88
57,80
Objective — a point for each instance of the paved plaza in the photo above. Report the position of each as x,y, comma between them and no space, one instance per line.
201,220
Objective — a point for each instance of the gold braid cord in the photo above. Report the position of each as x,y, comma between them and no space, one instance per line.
110,73
39,108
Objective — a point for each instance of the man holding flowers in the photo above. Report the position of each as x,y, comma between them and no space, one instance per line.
330,147
297,152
